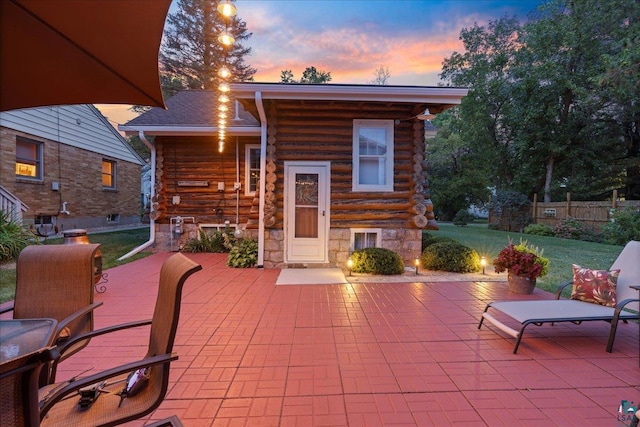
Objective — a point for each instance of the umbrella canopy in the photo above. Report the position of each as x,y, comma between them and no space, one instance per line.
80,52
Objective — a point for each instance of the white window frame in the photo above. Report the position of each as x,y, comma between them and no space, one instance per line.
114,171
354,231
247,168
39,163
388,159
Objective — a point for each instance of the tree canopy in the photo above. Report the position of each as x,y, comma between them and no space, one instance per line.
309,75
191,53
551,103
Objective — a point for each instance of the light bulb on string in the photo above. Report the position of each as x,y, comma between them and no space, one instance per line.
227,9
226,38
224,72
224,87
223,98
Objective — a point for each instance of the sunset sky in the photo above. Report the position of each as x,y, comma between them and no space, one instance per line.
352,38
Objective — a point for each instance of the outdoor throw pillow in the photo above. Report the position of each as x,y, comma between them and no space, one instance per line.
597,286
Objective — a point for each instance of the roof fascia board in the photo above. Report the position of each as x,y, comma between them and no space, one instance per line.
447,95
190,130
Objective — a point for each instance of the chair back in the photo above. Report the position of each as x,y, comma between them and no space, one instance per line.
629,264
55,281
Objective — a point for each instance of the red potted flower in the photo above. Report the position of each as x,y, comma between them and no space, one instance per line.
524,263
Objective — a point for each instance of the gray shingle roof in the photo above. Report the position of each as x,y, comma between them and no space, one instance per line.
192,108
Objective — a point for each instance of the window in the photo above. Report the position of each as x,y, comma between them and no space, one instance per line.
365,238
252,169
28,159
109,174
373,155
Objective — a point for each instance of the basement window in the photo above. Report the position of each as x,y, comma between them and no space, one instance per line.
362,238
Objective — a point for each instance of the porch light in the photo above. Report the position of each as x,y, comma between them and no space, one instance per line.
227,9
426,115
226,38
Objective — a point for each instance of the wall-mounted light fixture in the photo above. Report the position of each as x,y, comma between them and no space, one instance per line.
425,115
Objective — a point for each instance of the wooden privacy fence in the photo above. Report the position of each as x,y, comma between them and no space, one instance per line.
593,214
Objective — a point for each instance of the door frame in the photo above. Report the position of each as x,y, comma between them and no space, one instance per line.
289,208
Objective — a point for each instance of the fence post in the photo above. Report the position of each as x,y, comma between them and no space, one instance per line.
534,214
614,202
568,205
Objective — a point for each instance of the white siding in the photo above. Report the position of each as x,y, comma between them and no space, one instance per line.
81,126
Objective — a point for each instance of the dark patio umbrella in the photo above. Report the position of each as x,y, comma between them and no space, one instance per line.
56,52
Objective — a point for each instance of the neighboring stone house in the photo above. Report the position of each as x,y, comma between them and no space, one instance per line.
69,168
312,172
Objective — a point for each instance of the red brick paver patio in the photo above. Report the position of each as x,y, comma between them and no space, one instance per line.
394,354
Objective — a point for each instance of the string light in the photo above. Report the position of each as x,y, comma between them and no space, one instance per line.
227,9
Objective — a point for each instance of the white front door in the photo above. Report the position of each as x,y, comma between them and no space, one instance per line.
306,220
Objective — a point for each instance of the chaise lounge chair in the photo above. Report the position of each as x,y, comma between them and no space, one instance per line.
573,310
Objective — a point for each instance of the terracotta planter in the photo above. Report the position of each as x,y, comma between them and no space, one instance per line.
520,284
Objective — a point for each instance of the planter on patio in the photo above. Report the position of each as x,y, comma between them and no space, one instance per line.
521,284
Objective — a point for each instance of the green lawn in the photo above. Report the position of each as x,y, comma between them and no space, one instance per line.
561,252
114,245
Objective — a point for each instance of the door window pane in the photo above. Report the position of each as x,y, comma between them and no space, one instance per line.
306,205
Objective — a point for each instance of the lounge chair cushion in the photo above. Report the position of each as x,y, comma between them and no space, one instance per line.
596,286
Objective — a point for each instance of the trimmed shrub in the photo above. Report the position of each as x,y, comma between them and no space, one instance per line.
216,242
243,254
450,256
462,218
569,228
538,230
624,227
377,261
429,239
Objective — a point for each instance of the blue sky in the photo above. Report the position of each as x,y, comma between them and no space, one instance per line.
352,38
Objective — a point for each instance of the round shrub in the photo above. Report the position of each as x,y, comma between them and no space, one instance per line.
428,240
569,228
624,226
377,261
450,256
538,230
462,218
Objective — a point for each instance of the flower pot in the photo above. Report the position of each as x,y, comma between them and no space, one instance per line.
521,284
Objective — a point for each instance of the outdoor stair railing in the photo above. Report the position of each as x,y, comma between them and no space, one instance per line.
12,205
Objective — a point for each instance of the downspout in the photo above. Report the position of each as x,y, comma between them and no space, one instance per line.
152,223
263,175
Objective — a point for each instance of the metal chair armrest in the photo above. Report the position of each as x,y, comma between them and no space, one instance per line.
561,288
58,394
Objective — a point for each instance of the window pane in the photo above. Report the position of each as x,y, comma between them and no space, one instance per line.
364,240
108,174
306,205
28,159
373,141
372,171
254,168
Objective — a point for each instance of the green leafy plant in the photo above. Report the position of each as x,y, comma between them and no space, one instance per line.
243,254
216,242
462,218
450,256
538,230
13,238
377,261
522,260
569,228
624,226
429,239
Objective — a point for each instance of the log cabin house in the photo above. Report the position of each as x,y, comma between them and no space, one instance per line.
312,172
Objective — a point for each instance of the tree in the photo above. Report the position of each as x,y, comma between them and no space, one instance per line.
490,53
458,175
309,75
191,52
381,76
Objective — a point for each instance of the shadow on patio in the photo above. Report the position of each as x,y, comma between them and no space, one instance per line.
253,353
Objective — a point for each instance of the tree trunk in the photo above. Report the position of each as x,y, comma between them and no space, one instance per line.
547,179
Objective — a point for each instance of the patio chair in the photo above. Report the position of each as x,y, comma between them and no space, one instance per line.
576,311
56,281
105,401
